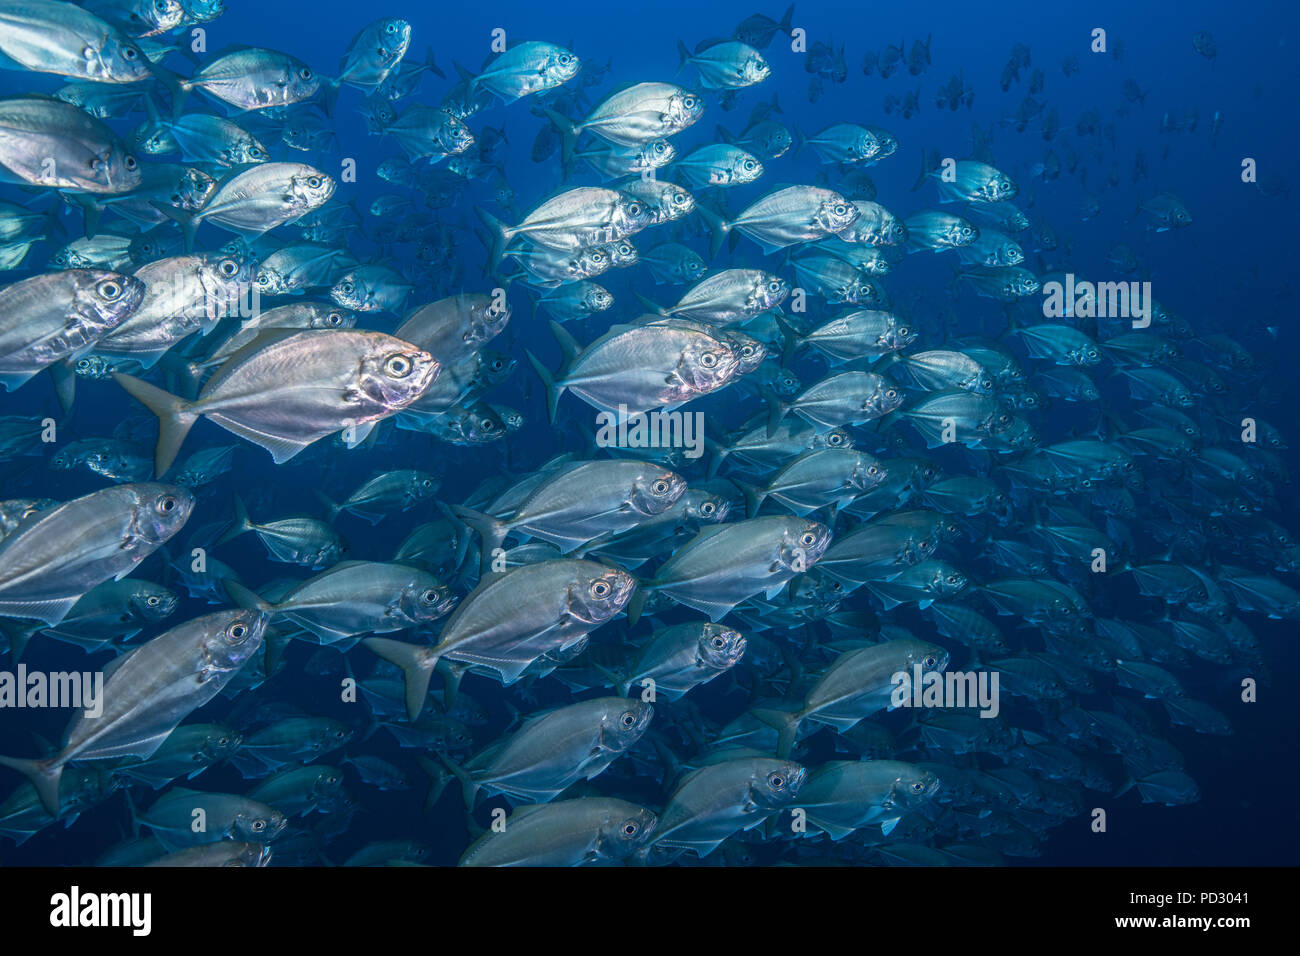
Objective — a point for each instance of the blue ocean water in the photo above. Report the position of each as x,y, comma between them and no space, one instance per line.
1229,272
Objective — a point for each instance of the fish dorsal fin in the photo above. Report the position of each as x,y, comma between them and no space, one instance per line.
260,341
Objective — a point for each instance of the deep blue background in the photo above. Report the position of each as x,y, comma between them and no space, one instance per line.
1231,271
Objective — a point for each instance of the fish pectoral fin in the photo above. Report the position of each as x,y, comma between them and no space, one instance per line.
51,612
281,448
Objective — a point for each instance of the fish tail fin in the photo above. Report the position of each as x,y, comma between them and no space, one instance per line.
791,340
44,775
724,135
438,780
332,507
329,94
786,25
753,497
468,788
683,55
636,604
417,663
64,377
175,87
242,523
568,135
174,418
499,233
452,674
718,228
798,139
431,66
54,221
548,381
648,305
20,634
775,411
491,532
926,168
717,455
188,221
245,597
785,723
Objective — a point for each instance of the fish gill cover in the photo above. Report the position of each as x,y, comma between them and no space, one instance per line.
560,435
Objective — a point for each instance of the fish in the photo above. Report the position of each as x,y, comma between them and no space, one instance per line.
51,560
342,379
160,683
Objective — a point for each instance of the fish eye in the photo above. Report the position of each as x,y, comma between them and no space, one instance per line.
153,600
689,102
628,720
237,632
891,393
719,642
306,73
398,366
347,288
748,164
776,781
708,360
835,440
167,504
808,539
873,470
660,487
599,589
775,285
256,151
334,318
129,53
430,596
129,162
565,58
930,661
918,786
634,209
228,267
707,508
109,289
630,829
259,825
314,182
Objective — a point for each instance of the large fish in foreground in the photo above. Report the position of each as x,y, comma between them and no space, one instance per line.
148,691
511,620
56,316
56,556
581,832
288,388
